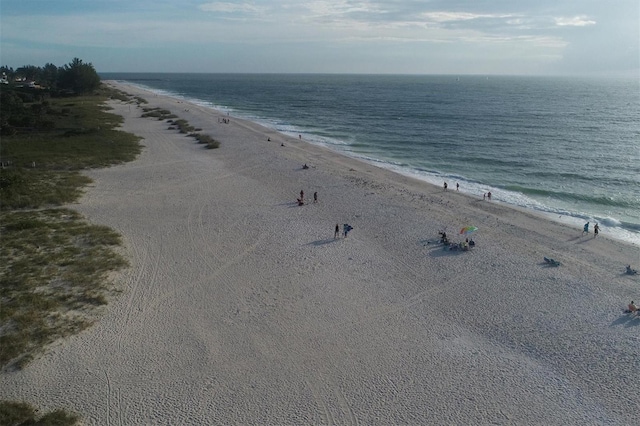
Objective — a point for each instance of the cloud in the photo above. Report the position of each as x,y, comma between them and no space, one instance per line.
225,7
576,21
460,16
363,33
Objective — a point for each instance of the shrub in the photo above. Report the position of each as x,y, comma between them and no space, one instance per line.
184,126
22,414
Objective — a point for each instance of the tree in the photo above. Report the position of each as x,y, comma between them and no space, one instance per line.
29,72
49,76
78,77
7,71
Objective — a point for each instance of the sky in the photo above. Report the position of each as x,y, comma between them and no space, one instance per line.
492,37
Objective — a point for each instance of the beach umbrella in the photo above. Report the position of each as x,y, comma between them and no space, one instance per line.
468,230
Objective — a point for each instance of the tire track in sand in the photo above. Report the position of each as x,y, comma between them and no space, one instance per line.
215,272
205,246
134,285
409,273
321,402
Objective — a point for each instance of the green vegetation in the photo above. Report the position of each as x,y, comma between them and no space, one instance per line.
53,277
42,163
207,140
54,269
74,78
183,126
53,274
25,188
160,114
22,414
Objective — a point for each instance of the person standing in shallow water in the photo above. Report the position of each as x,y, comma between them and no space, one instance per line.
585,229
596,229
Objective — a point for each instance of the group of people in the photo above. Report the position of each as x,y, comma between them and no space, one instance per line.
446,186
486,195
596,229
301,199
465,245
346,228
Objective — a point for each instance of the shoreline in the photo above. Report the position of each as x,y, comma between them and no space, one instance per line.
240,307
612,227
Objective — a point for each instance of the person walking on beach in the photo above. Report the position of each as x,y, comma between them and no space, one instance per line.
585,229
302,195
457,186
596,229
336,232
489,195
315,197
445,186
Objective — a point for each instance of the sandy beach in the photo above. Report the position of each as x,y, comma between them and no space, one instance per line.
240,307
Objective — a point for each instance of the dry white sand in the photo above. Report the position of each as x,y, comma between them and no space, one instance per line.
240,307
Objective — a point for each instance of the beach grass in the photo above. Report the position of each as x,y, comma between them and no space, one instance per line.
41,166
31,188
84,136
53,277
206,140
160,114
52,280
183,126
21,413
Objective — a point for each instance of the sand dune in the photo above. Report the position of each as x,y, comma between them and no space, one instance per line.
240,307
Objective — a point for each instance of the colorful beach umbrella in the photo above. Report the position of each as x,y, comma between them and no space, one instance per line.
468,230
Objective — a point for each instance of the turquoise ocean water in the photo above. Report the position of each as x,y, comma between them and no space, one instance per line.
566,147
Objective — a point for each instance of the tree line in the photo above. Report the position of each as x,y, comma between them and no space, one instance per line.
25,105
75,77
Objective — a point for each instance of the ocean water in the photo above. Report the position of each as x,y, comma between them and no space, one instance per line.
566,147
